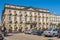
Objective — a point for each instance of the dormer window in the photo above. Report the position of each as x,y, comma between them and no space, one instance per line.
15,13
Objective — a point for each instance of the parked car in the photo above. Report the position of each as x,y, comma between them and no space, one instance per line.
31,31
50,32
40,32
28,31
58,32
34,31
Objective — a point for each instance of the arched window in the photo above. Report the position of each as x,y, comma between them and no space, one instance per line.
15,18
15,13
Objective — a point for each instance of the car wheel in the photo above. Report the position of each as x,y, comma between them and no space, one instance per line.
45,35
58,36
54,35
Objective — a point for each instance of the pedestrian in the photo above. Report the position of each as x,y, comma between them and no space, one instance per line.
4,30
1,36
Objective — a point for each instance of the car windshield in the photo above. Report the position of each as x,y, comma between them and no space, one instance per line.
49,29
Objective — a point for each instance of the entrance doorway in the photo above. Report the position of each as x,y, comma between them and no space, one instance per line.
32,25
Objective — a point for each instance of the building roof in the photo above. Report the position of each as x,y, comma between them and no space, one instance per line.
26,6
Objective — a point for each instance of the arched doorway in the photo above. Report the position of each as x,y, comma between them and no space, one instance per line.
15,28
10,29
20,29
33,25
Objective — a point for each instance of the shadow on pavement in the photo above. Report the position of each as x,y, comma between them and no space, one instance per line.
8,35
50,39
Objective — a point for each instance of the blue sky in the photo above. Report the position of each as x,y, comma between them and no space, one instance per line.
52,5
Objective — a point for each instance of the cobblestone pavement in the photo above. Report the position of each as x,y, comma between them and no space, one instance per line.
22,36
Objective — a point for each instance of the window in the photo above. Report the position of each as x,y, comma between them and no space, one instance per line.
30,18
15,13
39,19
15,18
10,22
39,16
20,18
21,22
25,18
25,15
34,12
30,12
16,22
10,13
38,13
9,10
9,17
20,12
55,30
42,14
35,18
25,12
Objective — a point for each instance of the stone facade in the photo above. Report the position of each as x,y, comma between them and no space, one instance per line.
25,17
54,20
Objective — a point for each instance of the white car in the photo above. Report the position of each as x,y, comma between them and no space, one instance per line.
50,32
28,31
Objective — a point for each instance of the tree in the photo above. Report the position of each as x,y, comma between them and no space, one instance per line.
58,25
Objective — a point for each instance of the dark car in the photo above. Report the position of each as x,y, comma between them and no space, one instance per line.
1,36
4,31
34,31
58,32
40,32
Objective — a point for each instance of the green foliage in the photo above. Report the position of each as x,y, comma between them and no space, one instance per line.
58,25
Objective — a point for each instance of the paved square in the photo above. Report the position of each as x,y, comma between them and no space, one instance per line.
22,36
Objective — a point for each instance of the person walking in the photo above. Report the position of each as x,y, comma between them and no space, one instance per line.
4,31
1,35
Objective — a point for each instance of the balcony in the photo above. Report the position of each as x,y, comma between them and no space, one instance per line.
15,14
26,15
39,22
10,21
26,27
21,22
43,22
20,14
39,16
28,22
42,16
10,27
47,23
35,15
10,14
30,15
46,17
15,22
34,22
